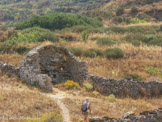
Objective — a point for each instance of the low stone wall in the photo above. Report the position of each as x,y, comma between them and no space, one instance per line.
9,69
124,88
147,116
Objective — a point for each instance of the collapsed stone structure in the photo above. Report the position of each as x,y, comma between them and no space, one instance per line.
49,64
147,116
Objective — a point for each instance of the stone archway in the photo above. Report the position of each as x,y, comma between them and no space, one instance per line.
49,64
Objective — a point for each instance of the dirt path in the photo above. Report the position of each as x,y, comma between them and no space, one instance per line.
58,98
59,95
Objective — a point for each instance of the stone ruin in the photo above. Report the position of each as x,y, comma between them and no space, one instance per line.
146,116
47,65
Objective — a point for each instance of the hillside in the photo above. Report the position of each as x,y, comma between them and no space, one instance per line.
18,10
56,53
115,11
130,11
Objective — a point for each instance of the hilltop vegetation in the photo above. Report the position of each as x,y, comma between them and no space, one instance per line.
59,21
109,11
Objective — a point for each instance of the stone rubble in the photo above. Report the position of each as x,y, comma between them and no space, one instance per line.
147,116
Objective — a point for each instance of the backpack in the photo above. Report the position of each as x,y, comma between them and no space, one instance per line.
84,107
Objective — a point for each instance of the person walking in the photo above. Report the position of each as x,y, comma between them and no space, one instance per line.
86,109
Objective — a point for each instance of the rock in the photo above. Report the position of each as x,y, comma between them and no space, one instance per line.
149,116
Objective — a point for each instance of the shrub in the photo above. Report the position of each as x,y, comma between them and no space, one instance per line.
98,53
95,93
120,11
35,34
85,35
77,51
137,20
59,21
134,77
88,86
136,36
152,70
116,29
106,41
156,41
136,42
89,53
50,117
69,84
134,10
115,53
111,98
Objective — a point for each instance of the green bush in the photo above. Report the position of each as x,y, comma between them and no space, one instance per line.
157,42
85,35
131,37
111,98
35,34
152,70
89,53
77,51
137,20
134,10
7,46
59,21
120,11
134,77
106,41
115,53
116,29
136,42
95,93
98,53
88,86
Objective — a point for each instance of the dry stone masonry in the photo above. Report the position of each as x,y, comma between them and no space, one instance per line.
147,116
127,88
49,64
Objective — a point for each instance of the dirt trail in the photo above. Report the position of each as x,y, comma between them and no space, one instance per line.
58,98
59,95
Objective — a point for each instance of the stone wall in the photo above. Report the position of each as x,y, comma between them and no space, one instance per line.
127,88
147,116
9,69
47,65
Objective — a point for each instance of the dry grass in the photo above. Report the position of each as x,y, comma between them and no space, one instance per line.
102,107
14,59
18,100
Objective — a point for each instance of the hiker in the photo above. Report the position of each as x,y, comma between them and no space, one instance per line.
86,109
